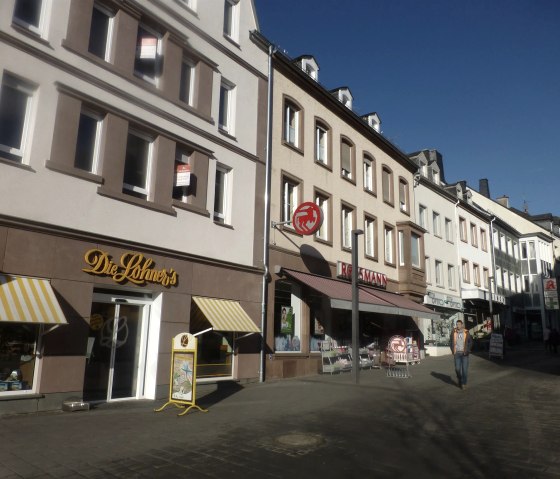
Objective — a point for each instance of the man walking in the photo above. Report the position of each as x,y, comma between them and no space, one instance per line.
461,344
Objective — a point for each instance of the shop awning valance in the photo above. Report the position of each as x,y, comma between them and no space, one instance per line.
225,315
370,299
28,300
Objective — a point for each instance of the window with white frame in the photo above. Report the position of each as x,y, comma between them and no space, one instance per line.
369,174
290,193
347,226
88,143
483,240
287,316
463,229
231,14
448,230
428,270
186,87
474,235
515,252
321,144
451,276
388,232
227,107
508,246
346,152
370,227
486,276
101,32
465,271
499,277
435,224
403,195
402,257
137,164
523,250
423,216
291,124
387,185
502,242
439,273
148,53
415,250
182,157
15,111
222,194
322,202
476,274
30,14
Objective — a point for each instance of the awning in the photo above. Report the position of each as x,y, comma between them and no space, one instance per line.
225,315
370,299
28,300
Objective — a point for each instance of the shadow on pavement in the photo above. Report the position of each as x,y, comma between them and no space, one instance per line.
443,377
223,390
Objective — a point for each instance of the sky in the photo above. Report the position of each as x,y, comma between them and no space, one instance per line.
478,80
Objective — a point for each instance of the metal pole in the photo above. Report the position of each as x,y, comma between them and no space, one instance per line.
355,309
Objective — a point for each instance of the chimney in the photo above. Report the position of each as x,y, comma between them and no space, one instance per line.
483,187
503,200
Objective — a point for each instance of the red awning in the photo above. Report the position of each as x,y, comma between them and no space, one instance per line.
370,299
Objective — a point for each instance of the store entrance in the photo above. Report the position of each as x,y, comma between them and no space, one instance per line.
115,358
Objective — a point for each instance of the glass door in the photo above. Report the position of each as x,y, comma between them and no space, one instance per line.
115,351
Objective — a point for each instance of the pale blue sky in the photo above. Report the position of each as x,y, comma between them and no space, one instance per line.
479,80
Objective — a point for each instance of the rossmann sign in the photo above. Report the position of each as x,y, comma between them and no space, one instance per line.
365,276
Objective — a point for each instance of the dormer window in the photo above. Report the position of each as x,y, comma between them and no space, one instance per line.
308,64
373,121
433,173
344,96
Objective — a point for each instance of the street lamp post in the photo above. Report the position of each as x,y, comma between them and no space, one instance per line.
355,309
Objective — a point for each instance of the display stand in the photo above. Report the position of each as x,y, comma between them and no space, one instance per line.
182,380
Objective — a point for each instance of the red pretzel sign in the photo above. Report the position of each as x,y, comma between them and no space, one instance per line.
397,344
307,218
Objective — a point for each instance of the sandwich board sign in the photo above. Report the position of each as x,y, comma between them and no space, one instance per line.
182,380
496,346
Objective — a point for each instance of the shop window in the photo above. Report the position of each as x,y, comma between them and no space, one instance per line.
370,236
15,111
387,185
137,164
321,144
215,355
415,250
30,14
183,179
287,317
369,174
222,190
186,88
346,159
231,14
88,144
322,201
227,107
316,322
101,32
18,348
147,63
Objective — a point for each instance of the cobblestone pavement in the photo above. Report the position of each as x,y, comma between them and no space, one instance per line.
506,424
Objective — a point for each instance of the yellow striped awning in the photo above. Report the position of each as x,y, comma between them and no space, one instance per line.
28,300
226,315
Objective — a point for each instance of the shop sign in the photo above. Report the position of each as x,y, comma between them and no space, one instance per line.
550,293
397,344
365,276
183,175
133,267
307,218
444,301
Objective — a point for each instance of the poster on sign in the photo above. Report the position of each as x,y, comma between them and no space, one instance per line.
496,346
183,175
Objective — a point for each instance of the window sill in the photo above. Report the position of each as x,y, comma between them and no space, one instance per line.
187,8
390,203
349,180
371,258
232,41
76,172
370,192
227,134
346,248
322,241
190,207
30,33
292,147
289,229
391,265
136,201
17,164
223,225
323,165
405,212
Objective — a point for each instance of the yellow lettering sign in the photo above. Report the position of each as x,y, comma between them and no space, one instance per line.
133,267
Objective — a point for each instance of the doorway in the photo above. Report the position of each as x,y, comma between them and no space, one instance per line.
116,349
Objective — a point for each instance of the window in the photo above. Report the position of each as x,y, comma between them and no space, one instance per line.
346,152
435,224
291,124
389,245
287,317
463,229
29,13
502,245
523,250
230,18
515,252
15,112
439,273
369,174
87,146
221,194
321,144
483,240
428,270
323,202
347,226
290,198
18,350
423,216
476,274
186,88
499,277
465,271
451,276
403,195
415,250
508,246
227,104
101,32
148,53
387,185
486,275
190,4
402,258
448,230
532,250
370,226
137,164
526,284
474,235
182,157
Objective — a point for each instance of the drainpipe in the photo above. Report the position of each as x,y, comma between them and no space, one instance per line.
266,235
459,262
493,266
